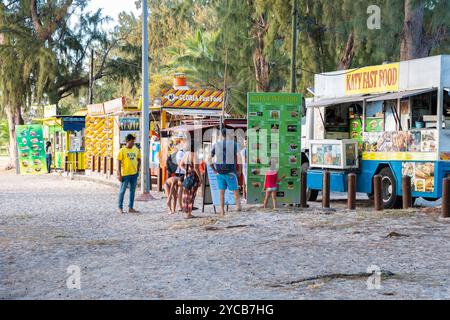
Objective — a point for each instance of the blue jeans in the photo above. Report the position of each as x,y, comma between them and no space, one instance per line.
132,181
48,157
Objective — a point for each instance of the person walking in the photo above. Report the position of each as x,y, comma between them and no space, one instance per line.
226,155
244,159
129,164
180,173
192,179
48,156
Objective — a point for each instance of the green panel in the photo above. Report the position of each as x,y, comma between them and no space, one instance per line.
31,147
278,118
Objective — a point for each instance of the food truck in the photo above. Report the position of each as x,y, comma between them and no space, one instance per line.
392,120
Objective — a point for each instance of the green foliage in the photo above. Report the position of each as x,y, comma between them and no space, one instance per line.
4,134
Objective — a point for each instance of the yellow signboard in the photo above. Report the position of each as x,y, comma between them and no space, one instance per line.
376,79
193,99
400,156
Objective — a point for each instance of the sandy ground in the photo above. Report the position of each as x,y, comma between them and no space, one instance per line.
49,223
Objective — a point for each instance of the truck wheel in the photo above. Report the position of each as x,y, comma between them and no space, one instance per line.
311,195
389,190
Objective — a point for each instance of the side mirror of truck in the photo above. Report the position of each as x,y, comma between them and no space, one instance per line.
303,108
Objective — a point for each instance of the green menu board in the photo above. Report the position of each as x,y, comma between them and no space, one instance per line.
274,135
31,148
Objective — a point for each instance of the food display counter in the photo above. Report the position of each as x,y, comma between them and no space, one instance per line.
334,154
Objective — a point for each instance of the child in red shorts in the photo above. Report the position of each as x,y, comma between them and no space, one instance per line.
271,183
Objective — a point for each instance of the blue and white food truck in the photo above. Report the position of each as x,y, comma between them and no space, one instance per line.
392,119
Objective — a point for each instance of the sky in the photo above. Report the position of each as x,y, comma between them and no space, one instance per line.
112,8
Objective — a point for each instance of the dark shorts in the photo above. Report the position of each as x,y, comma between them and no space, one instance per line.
180,177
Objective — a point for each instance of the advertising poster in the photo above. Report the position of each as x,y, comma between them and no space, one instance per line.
422,175
31,149
374,125
129,126
274,123
425,141
215,193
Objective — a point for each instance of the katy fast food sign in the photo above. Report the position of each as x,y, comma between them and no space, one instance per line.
376,79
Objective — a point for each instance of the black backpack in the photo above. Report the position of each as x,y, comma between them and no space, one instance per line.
171,165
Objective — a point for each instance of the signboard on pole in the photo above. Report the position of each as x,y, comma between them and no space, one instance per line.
50,111
193,99
114,106
274,135
31,149
96,109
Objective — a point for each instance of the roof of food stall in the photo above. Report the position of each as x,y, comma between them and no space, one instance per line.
190,127
74,124
330,102
195,112
401,95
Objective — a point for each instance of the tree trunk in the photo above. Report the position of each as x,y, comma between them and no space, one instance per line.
348,54
262,71
14,116
412,43
262,67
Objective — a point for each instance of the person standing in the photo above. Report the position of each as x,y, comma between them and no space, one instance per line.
180,173
226,157
192,179
129,164
244,166
48,156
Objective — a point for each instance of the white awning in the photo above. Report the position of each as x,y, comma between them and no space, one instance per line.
330,102
196,112
401,95
190,127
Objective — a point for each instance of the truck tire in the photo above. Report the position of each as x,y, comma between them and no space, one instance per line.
391,200
311,195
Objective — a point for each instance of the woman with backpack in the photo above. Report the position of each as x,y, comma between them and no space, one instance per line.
192,180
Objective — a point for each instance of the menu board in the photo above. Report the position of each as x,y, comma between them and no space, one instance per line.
31,149
274,135
422,175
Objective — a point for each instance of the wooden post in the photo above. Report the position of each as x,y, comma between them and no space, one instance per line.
377,191
99,164
66,163
406,190
93,163
111,166
303,193
351,191
105,165
160,184
326,190
446,198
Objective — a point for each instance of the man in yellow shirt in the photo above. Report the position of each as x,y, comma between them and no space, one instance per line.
129,165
